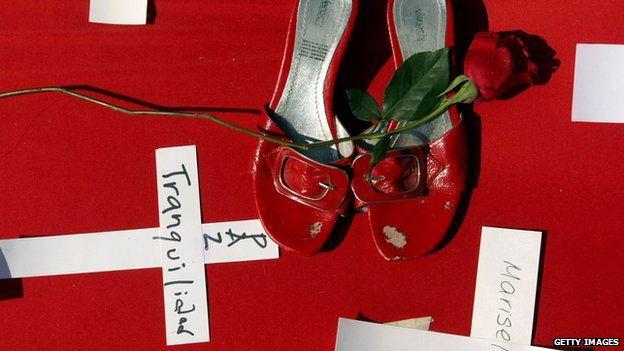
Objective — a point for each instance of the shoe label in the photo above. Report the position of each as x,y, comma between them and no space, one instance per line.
419,26
507,277
321,16
313,50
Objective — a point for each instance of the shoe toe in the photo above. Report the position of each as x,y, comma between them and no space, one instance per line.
412,228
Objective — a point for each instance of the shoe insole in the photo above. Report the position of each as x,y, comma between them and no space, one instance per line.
301,110
421,26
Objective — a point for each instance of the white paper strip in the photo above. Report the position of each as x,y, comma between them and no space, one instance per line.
181,251
506,286
127,249
118,11
598,83
364,336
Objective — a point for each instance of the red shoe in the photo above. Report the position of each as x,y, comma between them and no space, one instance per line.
412,196
300,194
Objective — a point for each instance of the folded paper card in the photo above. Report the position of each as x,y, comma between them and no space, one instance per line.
507,276
118,11
422,323
598,83
365,336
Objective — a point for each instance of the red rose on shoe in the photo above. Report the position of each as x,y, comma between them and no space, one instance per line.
498,63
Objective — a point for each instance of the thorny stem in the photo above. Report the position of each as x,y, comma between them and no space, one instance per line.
227,124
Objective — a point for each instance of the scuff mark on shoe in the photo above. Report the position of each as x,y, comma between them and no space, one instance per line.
448,206
315,229
395,237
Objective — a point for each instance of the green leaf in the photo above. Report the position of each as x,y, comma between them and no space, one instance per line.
430,101
363,105
379,150
415,87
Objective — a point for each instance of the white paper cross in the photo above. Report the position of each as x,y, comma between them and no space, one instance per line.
136,249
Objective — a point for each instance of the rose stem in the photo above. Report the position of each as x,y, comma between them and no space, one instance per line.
224,123
149,112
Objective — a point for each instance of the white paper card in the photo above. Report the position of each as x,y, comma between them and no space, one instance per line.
364,336
181,240
118,11
126,249
598,83
507,276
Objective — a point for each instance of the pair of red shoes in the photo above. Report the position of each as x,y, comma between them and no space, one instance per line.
411,197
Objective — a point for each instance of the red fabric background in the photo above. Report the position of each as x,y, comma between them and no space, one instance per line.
72,167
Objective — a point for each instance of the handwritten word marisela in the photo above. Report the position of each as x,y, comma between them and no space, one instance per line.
507,289
176,180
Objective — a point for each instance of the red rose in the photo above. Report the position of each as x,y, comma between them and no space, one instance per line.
499,63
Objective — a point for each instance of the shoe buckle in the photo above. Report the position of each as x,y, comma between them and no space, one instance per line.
306,181
401,176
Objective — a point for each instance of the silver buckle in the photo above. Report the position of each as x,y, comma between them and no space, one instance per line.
370,178
328,186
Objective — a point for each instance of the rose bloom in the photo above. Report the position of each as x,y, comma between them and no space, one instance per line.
498,63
